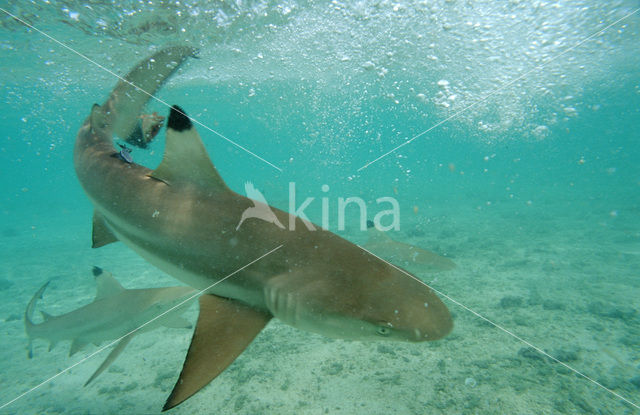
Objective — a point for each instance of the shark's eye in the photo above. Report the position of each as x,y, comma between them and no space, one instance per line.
383,330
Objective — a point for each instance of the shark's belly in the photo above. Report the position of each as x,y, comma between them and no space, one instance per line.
234,286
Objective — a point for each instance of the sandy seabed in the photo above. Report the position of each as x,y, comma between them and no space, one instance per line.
567,283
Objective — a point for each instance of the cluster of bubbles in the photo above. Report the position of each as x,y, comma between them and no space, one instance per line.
416,62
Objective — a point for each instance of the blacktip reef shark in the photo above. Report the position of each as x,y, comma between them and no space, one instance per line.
182,218
115,313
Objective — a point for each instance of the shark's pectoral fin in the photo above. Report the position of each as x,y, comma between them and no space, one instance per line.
224,329
185,158
101,234
112,357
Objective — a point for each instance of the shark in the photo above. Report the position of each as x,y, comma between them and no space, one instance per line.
182,218
115,313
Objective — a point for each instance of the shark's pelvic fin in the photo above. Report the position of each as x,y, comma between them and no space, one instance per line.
224,329
101,234
185,157
76,346
112,357
106,284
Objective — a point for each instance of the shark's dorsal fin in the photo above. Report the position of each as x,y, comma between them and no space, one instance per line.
106,284
224,329
185,157
101,234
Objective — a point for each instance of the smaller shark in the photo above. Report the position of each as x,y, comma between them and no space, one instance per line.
115,313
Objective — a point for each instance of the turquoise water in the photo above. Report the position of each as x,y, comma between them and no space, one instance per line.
531,185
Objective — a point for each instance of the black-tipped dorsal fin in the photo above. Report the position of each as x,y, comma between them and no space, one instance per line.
101,234
106,284
224,329
185,157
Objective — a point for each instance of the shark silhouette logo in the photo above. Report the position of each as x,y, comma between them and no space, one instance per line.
260,209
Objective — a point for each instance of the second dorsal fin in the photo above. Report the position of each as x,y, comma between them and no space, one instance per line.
185,158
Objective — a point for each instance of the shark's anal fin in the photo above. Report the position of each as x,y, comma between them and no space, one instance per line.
224,329
101,234
112,357
185,158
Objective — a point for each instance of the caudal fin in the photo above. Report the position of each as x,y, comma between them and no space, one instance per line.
28,315
132,93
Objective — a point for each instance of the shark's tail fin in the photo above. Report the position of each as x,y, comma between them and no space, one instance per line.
28,315
133,91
